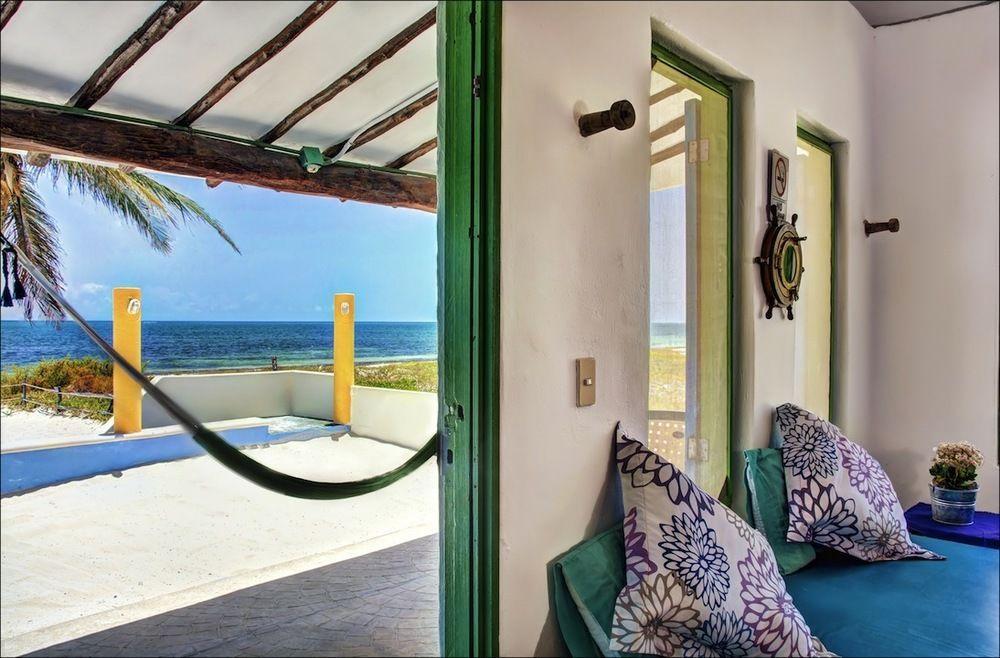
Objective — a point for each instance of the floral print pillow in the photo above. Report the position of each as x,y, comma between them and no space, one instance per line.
838,495
699,580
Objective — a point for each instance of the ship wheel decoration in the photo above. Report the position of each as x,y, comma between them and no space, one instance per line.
780,259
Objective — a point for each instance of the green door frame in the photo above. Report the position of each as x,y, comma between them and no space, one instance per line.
468,317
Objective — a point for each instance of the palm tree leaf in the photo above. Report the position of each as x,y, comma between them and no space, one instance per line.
149,205
185,206
112,188
26,223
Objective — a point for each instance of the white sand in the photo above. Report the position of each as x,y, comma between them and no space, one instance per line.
19,429
88,555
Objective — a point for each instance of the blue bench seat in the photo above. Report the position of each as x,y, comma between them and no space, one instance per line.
906,608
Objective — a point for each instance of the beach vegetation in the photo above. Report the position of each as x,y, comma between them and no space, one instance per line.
82,375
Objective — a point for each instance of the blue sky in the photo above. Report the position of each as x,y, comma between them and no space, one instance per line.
297,252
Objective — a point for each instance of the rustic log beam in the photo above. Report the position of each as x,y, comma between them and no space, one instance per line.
179,151
407,158
213,182
387,124
669,128
7,10
664,94
667,153
155,28
260,57
387,50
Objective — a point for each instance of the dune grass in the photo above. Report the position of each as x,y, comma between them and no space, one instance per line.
86,375
666,379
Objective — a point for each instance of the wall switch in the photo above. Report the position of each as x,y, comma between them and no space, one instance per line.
586,382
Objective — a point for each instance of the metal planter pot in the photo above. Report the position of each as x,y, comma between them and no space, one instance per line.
953,506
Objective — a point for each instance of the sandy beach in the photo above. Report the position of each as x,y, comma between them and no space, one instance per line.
92,554
19,429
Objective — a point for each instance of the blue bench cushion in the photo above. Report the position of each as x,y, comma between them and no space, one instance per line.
904,608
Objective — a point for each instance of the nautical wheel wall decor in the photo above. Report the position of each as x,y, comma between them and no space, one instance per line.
780,259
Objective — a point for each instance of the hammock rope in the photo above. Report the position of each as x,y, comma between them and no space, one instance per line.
226,454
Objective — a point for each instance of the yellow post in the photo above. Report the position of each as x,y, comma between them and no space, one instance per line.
127,307
343,356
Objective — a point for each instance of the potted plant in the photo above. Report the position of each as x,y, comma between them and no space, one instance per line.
953,483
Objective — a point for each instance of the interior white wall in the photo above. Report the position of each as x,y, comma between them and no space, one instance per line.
935,289
574,224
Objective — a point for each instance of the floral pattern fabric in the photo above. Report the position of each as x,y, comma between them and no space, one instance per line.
839,496
699,581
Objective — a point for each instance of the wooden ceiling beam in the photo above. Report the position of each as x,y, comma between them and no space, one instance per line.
179,151
664,94
667,153
669,128
387,124
387,50
260,57
7,11
159,23
407,158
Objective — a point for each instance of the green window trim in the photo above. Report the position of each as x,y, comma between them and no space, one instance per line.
725,89
815,140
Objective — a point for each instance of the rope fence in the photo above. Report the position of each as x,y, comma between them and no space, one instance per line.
55,398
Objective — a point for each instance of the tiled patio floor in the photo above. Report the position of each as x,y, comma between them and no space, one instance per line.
381,604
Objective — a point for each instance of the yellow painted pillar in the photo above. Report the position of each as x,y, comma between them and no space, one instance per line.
343,355
127,315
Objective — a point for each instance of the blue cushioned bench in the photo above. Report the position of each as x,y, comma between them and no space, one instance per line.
907,608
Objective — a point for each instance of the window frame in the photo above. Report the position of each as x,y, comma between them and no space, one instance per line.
818,142
725,88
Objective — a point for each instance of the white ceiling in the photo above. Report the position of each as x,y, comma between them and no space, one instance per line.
49,49
887,12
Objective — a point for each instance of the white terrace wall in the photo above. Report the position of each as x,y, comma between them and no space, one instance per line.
574,223
935,283
406,418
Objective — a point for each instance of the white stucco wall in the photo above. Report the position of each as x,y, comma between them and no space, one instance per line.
935,283
404,418
223,396
574,223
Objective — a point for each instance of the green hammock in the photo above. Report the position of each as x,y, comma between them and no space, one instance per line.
227,455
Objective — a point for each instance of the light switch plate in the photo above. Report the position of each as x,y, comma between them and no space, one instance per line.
586,382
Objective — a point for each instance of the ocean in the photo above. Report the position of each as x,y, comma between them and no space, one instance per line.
183,346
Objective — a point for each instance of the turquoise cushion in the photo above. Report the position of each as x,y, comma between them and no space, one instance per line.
903,608
767,508
585,583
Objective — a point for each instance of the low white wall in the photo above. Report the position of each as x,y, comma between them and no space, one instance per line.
223,396
311,394
406,418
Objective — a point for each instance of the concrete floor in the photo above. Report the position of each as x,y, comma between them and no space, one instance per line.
381,604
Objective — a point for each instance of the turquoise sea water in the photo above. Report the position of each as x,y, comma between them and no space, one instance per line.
667,334
182,346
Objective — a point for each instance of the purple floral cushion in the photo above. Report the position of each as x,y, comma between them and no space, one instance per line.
699,580
838,495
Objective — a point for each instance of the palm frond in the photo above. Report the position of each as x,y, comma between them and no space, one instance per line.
152,207
188,208
111,188
26,223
